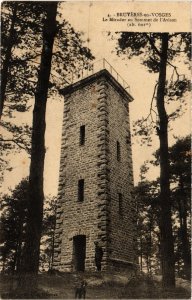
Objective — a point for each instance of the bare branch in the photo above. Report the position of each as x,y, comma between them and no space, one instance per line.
17,143
151,106
19,60
152,44
174,67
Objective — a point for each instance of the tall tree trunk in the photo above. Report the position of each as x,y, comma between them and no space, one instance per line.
147,262
150,245
3,262
17,266
6,63
36,194
167,245
177,267
15,258
141,255
19,244
186,255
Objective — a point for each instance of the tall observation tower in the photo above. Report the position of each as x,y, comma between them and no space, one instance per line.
96,177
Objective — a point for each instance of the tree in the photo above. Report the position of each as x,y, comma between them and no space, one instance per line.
48,234
147,195
14,211
22,27
180,164
36,194
147,199
22,32
158,50
68,56
21,42
14,214
180,171
10,43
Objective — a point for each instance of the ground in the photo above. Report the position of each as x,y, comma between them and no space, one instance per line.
99,286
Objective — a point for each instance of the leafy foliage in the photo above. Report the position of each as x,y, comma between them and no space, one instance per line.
13,226
158,51
69,53
14,214
148,47
22,42
147,196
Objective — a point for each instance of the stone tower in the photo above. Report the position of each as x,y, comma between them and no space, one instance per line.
96,177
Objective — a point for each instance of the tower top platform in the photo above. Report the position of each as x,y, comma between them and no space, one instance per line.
87,80
104,69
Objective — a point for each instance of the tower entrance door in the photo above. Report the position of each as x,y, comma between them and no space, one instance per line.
79,250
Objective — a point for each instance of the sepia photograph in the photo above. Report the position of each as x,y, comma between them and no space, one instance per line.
95,150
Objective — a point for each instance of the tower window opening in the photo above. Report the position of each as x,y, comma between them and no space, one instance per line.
81,190
82,135
120,196
118,151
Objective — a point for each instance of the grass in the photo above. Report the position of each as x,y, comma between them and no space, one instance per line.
100,286
144,287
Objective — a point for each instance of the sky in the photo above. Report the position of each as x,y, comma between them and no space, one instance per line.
87,19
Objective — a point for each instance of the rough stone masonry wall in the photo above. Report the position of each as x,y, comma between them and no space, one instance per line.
85,106
100,108
122,227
